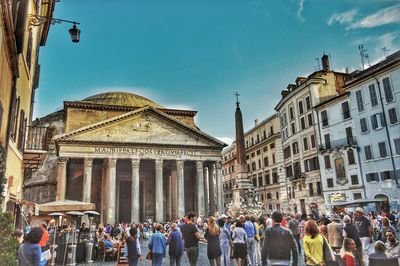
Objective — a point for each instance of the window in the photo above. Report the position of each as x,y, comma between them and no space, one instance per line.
253,166
327,141
356,196
295,148
303,123
272,146
29,50
21,130
327,161
308,103
305,144
277,195
293,127
311,189
345,110
310,121
372,95
349,136
397,146
350,157
364,125
388,89
265,161
248,167
354,180
258,152
360,102
274,177
382,149
297,170
329,182
393,116
291,113
264,134
377,121
386,175
254,182
312,137
258,138
265,148
247,157
301,107
253,155
273,158
311,165
289,171
252,141
368,153
271,130
267,181
324,118
15,113
372,177
269,195
319,188
259,164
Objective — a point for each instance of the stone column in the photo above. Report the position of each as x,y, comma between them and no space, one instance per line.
200,188
206,194
111,175
169,198
181,188
211,195
174,194
159,191
135,191
220,193
87,180
61,178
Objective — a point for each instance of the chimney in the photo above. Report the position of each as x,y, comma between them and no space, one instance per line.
325,63
256,122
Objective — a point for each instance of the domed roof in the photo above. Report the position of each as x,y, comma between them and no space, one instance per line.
121,98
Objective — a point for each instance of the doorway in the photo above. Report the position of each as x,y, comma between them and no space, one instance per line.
125,198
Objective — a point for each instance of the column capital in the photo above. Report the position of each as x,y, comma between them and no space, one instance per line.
62,160
199,164
112,162
135,163
88,162
218,164
159,163
179,164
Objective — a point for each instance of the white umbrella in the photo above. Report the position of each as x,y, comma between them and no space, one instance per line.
75,213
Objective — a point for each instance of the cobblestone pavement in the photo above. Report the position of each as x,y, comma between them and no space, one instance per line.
202,260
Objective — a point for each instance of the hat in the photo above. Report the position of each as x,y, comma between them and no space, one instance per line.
223,216
335,217
359,209
346,219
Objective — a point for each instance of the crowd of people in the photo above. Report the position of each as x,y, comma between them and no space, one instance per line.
352,238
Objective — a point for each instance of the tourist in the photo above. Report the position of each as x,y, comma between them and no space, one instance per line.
109,246
191,235
251,232
45,238
385,225
29,252
257,237
302,224
335,236
392,245
313,244
239,243
132,247
175,245
365,230
225,241
293,225
349,246
213,246
379,250
279,244
157,246
351,231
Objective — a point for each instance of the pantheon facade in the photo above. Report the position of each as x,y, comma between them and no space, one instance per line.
131,157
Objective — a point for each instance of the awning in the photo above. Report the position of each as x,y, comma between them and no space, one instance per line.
66,205
356,203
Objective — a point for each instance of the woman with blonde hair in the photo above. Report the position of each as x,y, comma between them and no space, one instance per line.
213,247
313,243
349,246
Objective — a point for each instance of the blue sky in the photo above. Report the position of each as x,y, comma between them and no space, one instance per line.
195,54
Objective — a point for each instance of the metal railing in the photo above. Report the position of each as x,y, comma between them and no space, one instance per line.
337,143
37,138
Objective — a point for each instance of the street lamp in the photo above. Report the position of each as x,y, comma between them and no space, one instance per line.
37,20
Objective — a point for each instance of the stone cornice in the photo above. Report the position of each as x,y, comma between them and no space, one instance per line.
96,106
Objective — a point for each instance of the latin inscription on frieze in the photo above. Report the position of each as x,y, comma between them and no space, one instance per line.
144,151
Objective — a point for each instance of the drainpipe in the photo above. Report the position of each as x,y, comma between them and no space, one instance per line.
387,132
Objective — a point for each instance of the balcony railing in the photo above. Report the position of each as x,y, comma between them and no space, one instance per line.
37,138
337,143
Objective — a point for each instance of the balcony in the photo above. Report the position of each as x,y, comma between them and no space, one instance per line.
338,143
37,138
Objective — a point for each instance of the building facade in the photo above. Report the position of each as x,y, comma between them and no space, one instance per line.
133,158
299,135
19,52
375,108
263,157
338,155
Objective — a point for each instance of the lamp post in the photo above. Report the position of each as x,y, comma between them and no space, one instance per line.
37,20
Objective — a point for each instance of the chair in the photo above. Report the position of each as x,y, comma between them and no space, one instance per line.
384,261
107,256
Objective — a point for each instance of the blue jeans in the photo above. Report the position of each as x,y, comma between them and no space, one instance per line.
175,260
157,259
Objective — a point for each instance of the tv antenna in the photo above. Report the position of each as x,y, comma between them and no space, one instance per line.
363,54
385,51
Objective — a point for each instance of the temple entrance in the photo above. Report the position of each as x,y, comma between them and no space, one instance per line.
125,200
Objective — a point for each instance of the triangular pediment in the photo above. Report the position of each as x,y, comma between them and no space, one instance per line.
146,125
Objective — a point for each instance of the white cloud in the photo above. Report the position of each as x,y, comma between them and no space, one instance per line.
226,140
384,16
343,18
300,10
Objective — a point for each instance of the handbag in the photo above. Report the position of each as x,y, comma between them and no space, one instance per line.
149,256
329,255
